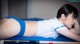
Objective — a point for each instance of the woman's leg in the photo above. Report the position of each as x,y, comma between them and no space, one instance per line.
9,28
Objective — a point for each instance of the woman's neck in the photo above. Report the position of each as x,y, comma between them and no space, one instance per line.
61,20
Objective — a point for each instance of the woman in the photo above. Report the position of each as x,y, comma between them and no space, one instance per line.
61,24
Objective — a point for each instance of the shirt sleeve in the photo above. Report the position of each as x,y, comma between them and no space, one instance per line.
58,25
60,28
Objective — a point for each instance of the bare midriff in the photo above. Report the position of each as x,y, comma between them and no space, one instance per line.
31,28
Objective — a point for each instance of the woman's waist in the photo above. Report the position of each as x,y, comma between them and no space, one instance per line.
31,28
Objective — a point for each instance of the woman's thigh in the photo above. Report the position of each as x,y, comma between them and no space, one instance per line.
9,28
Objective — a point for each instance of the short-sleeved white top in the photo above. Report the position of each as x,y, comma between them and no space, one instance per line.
50,28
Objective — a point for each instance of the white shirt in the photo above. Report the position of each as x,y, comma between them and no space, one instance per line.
50,28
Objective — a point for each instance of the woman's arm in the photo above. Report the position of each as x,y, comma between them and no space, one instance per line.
76,28
69,34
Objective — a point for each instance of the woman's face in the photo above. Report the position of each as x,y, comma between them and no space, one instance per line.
69,21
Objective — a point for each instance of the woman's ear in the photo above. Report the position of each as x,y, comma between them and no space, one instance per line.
63,16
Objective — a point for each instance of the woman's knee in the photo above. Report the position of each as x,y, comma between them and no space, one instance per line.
9,28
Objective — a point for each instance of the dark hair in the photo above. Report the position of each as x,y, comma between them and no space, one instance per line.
66,10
